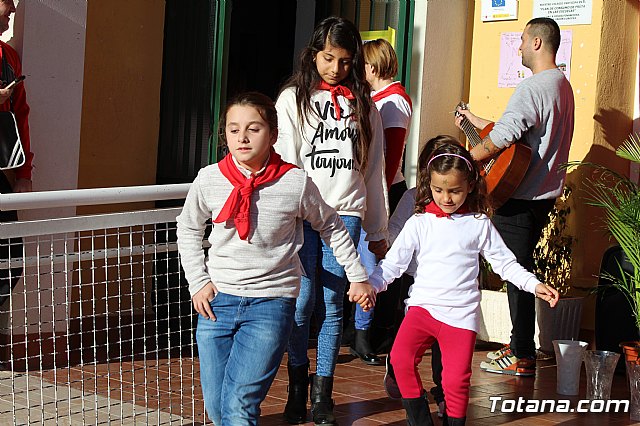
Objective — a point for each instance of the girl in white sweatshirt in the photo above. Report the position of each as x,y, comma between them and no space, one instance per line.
329,127
447,233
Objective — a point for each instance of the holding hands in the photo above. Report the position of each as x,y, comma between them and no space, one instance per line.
548,294
379,248
202,299
363,294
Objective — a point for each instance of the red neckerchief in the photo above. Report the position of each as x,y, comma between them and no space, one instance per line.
335,91
433,208
239,201
392,89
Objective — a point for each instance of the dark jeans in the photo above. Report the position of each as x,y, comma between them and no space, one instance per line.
9,248
520,223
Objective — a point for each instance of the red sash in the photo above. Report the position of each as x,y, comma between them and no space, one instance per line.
394,88
335,91
239,202
433,208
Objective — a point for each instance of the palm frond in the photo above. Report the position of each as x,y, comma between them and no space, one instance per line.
630,149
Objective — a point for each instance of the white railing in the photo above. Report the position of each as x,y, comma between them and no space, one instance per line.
99,327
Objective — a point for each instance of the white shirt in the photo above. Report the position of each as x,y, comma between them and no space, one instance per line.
324,149
447,252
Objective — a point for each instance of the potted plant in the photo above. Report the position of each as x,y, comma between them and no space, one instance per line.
552,265
619,197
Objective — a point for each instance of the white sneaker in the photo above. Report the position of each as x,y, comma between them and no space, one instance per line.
506,349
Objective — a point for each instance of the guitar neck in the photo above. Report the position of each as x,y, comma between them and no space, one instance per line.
474,139
470,132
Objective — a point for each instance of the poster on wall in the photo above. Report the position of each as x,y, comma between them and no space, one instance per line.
564,12
499,10
511,71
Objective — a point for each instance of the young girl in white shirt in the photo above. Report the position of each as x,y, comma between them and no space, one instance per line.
245,290
329,126
449,230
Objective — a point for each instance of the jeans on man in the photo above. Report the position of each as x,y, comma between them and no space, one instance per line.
321,292
240,353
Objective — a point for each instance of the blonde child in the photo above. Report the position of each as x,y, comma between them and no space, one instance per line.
245,290
394,104
330,128
449,230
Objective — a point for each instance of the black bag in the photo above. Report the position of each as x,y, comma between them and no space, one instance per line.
11,152
11,156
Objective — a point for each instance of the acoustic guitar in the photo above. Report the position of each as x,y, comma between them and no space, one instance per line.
504,172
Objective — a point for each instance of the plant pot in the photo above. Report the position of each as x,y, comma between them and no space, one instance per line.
631,351
559,323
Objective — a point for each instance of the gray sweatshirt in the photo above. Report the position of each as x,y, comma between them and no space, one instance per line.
266,264
540,113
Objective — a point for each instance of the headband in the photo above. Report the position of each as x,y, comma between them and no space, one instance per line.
451,155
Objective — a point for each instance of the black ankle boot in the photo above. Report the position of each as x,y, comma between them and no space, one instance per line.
295,412
453,421
362,349
417,409
321,402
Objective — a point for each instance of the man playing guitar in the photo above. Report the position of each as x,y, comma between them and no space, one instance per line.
540,113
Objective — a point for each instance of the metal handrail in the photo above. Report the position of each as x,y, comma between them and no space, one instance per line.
92,196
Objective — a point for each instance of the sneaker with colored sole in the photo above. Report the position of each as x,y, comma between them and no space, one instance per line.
390,384
506,349
511,365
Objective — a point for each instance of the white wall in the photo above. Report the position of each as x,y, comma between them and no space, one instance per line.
50,37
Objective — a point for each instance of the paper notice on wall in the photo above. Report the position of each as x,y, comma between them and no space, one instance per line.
511,71
564,12
499,10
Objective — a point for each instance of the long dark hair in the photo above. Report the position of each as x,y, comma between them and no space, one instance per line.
477,199
341,33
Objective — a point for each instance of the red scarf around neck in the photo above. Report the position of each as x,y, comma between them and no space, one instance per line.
335,91
394,88
239,201
433,208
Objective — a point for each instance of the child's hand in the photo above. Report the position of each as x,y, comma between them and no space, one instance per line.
202,299
363,294
547,293
379,248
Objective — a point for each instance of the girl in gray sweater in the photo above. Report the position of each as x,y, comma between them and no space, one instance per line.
245,289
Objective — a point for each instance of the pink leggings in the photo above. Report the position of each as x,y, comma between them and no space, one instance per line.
417,333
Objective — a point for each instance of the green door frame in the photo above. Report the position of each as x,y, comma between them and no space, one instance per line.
221,55
219,74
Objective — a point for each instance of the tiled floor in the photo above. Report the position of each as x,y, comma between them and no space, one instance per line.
361,400
172,386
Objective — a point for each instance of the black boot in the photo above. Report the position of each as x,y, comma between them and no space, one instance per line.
321,402
362,349
417,409
295,412
453,421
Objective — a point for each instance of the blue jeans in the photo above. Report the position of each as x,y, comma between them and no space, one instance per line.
240,354
322,292
363,319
